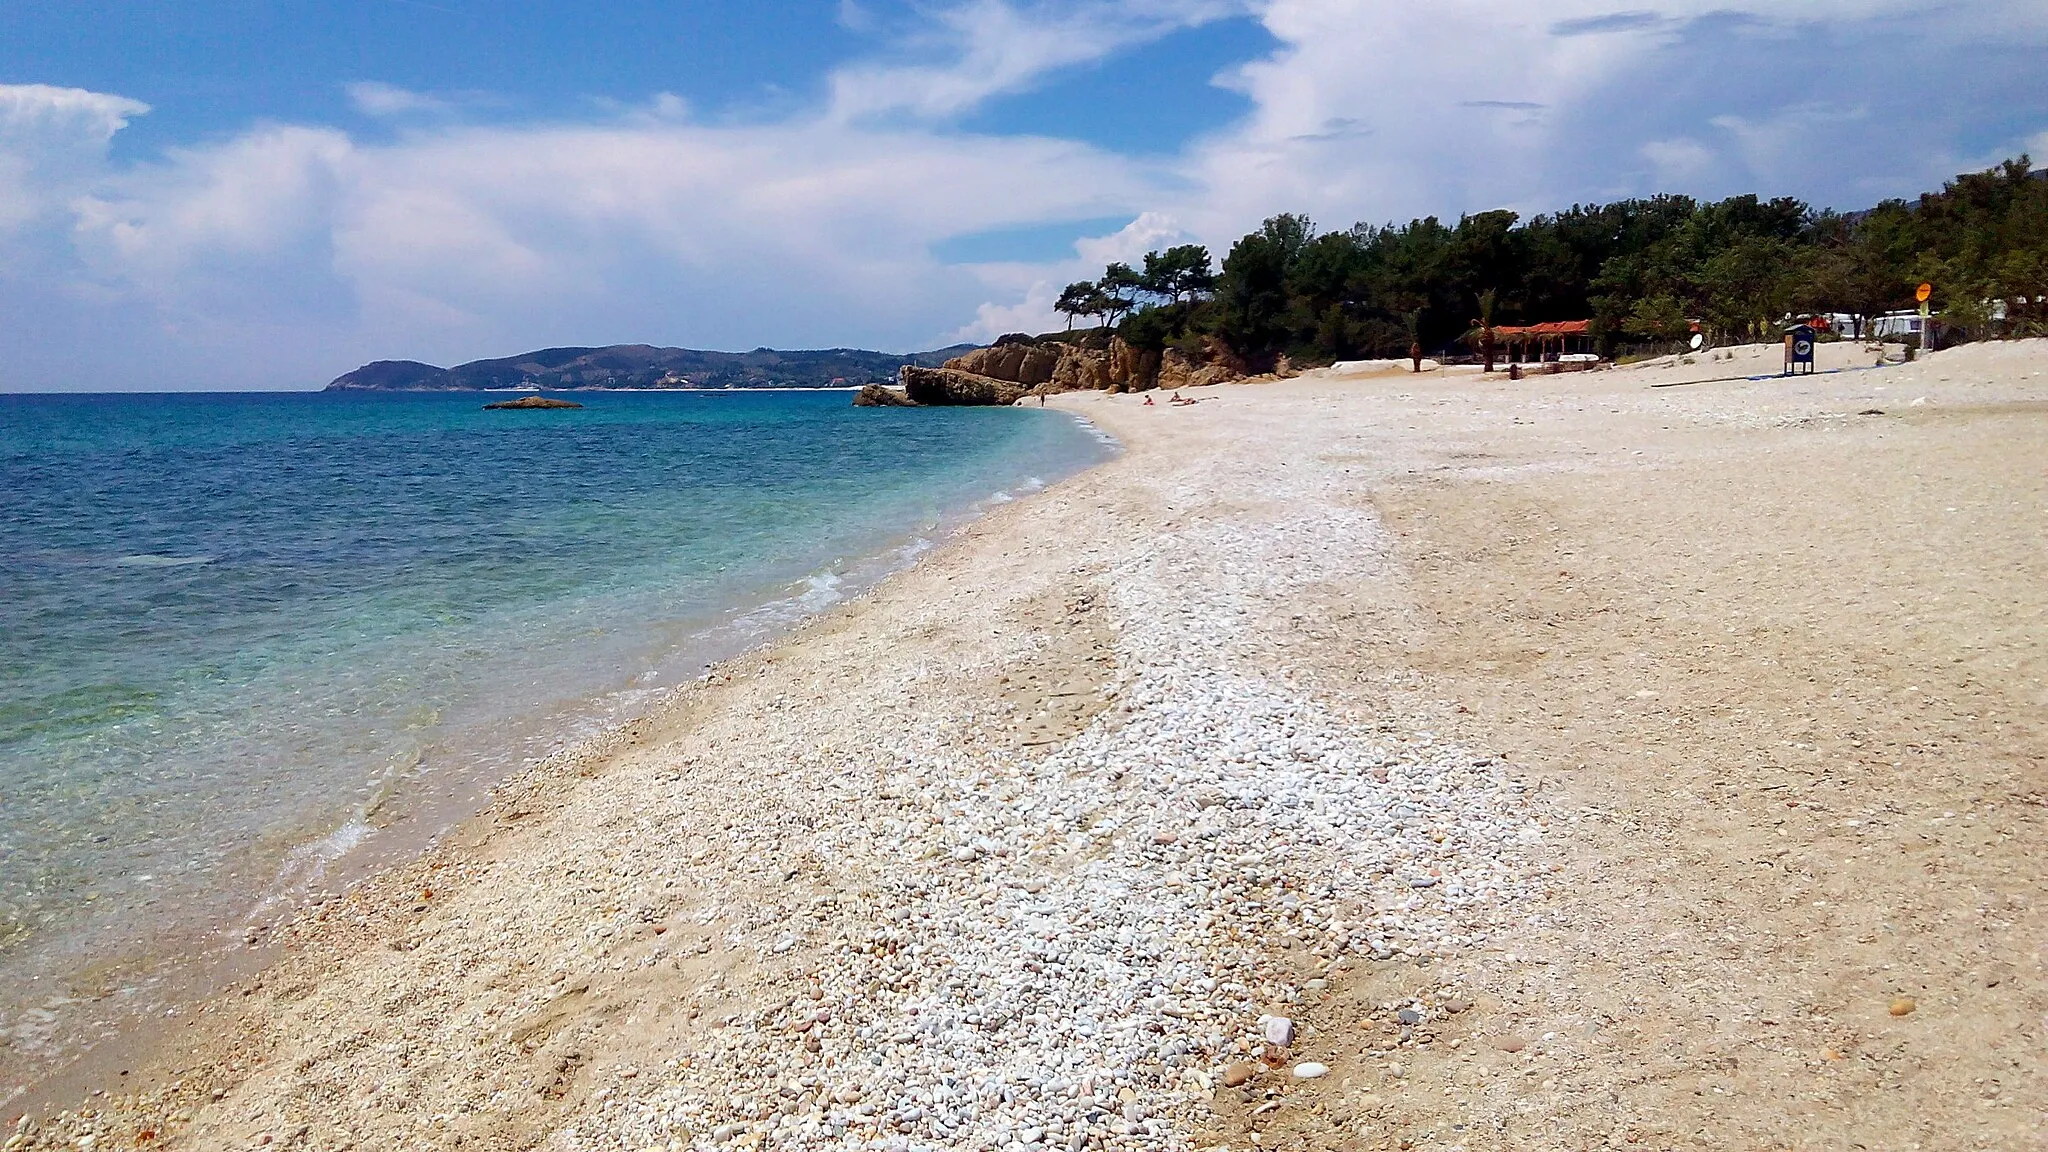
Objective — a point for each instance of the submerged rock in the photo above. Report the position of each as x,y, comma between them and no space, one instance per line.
532,402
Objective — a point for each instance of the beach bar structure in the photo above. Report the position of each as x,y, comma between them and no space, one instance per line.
1538,342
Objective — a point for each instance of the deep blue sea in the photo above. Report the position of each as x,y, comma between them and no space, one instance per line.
242,634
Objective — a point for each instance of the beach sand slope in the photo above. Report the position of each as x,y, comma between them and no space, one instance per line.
1400,761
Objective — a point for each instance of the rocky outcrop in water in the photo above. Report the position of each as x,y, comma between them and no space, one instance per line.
532,402
949,387
882,396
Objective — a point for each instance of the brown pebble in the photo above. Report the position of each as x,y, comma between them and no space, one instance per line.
1456,1006
1903,1006
1238,1074
1510,1043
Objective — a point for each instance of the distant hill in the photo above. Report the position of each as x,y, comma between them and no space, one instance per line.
644,366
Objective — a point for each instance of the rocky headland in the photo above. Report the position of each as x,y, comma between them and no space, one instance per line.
1018,365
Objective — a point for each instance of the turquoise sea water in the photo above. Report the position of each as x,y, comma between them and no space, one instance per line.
232,627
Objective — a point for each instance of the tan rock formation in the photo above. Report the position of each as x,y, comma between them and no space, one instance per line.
1132,369
949,387
1059,366
1028,364
1051,366
1080,369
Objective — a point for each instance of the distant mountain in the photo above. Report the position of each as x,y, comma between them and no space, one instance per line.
644,366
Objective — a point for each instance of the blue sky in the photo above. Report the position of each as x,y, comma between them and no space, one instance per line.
264,194
211,69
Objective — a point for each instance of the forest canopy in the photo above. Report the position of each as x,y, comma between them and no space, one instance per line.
1641,270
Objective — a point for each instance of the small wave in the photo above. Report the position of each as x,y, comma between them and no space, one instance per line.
306,865
310,861
1007,495
153,560
821,590
815,593
1100,436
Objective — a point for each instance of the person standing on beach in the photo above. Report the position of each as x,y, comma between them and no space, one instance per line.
1415,355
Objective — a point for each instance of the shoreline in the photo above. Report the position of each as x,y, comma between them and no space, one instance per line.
1404,709
213,961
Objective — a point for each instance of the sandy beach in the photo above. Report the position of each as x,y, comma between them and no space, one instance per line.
1371,761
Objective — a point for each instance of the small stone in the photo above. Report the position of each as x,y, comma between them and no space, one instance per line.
1309,1070
1456,1006
1239,1074
1903,1006
1165,838
1408,1016
1316,985
1510,1043
1278,1030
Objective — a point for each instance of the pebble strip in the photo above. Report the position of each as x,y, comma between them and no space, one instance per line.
1078,942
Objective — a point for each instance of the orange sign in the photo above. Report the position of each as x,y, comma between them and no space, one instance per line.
1923,292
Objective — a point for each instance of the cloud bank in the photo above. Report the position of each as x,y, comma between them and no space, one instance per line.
290,252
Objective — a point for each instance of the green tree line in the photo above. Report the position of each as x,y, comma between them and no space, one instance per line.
1641,270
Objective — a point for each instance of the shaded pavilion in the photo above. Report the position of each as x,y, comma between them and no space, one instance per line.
1548,341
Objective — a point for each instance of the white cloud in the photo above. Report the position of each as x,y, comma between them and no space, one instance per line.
990,47
63,117
1679,163
374,98
1150,232
53,141
1041,284
458,240
1034,313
